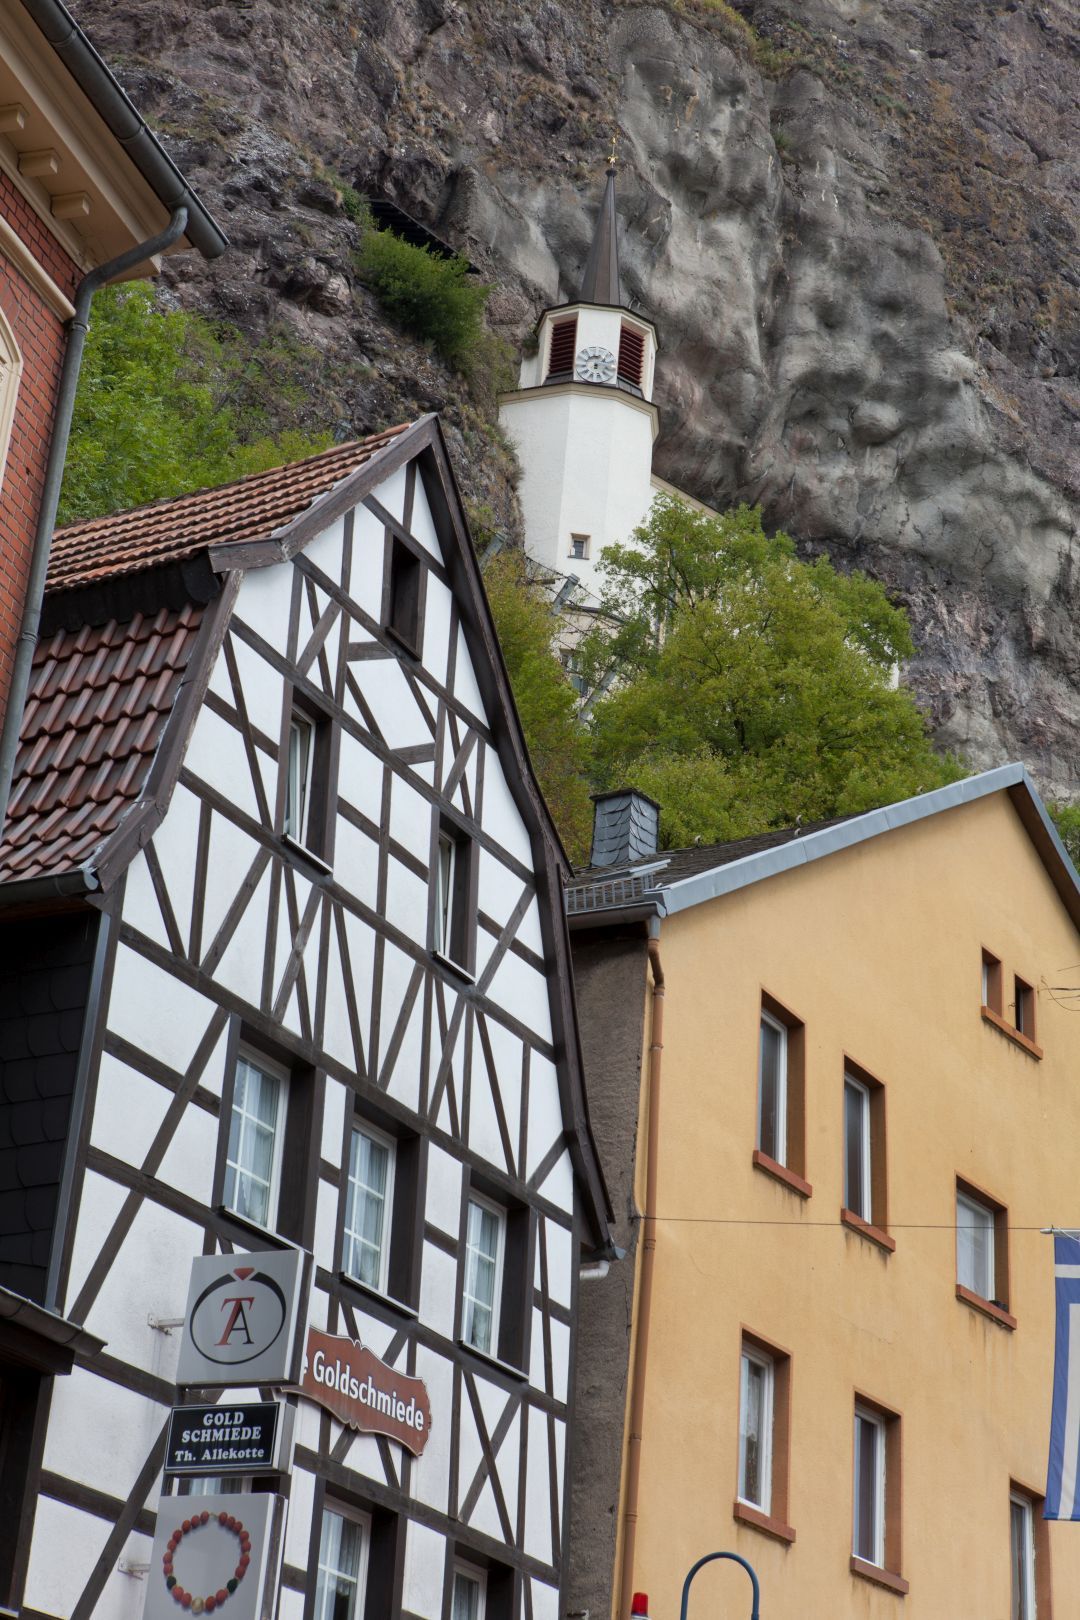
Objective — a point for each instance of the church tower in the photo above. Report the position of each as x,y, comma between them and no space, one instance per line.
582,418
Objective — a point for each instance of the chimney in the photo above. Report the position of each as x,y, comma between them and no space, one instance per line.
626,827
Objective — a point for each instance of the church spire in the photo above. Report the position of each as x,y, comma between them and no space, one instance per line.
601,283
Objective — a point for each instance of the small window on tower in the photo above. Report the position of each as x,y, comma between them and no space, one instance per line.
579,546
563,347
631,356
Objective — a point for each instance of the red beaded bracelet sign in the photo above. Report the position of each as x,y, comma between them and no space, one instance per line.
214,1600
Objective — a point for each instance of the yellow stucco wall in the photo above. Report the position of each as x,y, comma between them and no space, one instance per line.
878,950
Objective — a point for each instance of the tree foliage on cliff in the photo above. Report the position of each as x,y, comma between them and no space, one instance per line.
767,693
166,404
546,702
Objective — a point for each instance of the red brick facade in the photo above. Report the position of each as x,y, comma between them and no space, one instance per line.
39,332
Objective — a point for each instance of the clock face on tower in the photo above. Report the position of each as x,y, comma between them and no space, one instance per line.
595,365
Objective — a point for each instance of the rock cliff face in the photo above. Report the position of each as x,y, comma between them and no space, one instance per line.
862,262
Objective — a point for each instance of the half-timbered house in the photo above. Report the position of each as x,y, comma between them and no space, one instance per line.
284,963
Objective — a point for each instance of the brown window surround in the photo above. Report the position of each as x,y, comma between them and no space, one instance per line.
1024,1008
997,1309
889,1576
404,593
791,1173
876,1229
991,982
775,1522
1043,1586
1024,1042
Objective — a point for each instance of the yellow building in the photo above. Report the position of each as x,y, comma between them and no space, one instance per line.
865,1108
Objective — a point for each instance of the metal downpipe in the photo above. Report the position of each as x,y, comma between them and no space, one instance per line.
50,495
645,1281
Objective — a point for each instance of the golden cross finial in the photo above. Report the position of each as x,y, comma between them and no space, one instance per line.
614,141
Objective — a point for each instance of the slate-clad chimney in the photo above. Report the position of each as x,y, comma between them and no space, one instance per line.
626,827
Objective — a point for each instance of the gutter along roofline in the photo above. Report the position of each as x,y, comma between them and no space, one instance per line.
727,878
101,88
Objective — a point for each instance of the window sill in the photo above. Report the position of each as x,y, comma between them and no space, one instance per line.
1011,1033
401,641
880,1577
493,1361
874,1234
398,1305
745,1514
780,1172
306,854
268,1235
455,967
996,1313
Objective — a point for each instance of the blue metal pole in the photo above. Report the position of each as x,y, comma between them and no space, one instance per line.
755,1613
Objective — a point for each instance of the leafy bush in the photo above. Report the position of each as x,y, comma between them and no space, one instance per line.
166,404
1066,818
426,294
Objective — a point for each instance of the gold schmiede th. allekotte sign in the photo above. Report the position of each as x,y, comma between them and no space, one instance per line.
363,1392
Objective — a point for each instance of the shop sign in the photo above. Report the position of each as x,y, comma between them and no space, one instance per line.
241,1315
223,1439
363,1392
215,1552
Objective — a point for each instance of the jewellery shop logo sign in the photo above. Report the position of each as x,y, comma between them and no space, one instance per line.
240,1322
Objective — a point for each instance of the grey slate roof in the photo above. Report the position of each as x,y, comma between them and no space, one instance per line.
601,283
674,880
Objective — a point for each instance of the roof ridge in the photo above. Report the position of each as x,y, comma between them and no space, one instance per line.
133,513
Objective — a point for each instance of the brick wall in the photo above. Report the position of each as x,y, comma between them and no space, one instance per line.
39,332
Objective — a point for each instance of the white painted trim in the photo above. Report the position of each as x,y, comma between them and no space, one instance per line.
469,1572
781,1088
15,249
863,1414
360,1127
345,1510
863,1090
584,391
500,1256
757,1358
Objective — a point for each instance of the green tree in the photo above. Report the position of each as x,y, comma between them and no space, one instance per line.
755,689
166,404
546,702
426,293
1066,818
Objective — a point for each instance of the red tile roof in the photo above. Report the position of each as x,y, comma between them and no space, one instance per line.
249,509
99,699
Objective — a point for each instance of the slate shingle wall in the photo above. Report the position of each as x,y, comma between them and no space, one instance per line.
45,968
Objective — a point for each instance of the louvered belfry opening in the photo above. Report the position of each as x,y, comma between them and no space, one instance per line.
563,348
631,356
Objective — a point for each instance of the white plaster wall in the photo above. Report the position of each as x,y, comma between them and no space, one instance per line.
99,1432
425,1559
537,1498
54,1585
366,580
301,1507
502,818
157,1250
128,1111
156,1012
443,1207
466,690
431,1471
438,1290
560,1258
240,969
519,986
216,754
326,1220
545,1111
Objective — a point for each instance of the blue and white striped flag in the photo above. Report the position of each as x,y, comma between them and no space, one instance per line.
1063,1473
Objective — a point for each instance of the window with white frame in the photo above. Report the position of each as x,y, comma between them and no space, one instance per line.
868,1531
485,1241
298,777
756,1402
470,1593
369,1203
858,1197
1022,1542
975,1258
256,1134
772,1089
344,1544
579,547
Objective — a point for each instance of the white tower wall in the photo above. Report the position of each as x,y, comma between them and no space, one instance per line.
586,460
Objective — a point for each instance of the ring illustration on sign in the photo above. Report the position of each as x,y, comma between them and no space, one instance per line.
232,1330
213,1600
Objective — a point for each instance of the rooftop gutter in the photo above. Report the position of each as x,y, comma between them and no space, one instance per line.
48,1325
130,129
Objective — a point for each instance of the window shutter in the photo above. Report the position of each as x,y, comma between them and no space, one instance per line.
631,356
563,346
